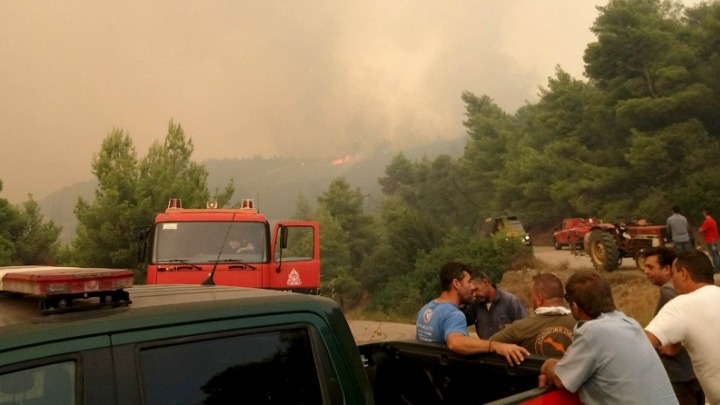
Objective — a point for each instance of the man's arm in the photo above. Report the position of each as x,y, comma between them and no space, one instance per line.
547,374
462,344
671,349
503,335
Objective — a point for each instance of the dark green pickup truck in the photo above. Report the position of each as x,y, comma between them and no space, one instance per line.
189,344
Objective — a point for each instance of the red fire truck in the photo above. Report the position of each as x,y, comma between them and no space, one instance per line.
231,247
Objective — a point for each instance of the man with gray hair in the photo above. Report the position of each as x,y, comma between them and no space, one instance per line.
492,308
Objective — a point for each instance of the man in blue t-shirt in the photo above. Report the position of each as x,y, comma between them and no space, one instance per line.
442,321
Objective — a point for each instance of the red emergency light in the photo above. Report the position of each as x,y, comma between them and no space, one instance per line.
174,203
247,203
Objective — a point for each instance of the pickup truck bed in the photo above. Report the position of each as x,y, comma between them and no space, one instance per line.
426,373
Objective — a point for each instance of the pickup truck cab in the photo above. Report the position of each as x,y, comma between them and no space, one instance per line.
191,344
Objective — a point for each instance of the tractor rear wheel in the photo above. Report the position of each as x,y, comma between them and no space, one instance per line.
603,250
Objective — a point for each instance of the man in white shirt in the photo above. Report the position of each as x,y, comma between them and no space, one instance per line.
692,319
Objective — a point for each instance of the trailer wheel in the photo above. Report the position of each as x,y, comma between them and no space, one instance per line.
107,298
62,303
55,303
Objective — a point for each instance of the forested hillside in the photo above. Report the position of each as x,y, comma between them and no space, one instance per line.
274,182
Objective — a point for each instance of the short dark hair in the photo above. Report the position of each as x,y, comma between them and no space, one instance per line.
549,285
452,271
591,292
664,255
675,208
698,266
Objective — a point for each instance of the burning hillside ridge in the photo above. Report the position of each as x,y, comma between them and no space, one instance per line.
345,159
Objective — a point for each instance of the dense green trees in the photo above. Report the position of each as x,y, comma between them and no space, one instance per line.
25,236
640,135
130,191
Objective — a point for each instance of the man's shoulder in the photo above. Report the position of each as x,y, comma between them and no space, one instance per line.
441,307
507,295
544,319
709,291
608,321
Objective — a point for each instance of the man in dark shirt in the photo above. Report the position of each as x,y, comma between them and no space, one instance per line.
492,308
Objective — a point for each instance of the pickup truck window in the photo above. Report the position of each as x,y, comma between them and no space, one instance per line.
48,384
276,366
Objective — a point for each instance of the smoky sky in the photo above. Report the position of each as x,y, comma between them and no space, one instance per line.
267,78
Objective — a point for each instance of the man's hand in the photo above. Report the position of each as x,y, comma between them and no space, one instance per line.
514,354
547,374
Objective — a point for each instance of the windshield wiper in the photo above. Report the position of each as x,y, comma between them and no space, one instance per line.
240,261
168,261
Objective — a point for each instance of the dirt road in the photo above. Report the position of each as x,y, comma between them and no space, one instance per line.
564,257
372,331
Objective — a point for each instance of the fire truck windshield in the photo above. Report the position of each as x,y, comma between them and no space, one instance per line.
206,242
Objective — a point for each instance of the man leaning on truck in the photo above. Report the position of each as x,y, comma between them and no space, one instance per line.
442,321
549,332
609,360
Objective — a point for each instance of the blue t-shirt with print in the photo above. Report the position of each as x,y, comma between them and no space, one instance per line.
437,320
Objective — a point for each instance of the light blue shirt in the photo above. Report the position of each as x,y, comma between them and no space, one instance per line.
436,320
611,361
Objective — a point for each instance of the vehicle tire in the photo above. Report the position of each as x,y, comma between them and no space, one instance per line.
586,242
63,303
603,251
556,245
107,298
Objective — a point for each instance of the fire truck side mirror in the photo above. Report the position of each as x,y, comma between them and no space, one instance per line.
283,238
143,243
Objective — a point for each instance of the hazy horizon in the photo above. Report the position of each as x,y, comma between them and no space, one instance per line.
272,78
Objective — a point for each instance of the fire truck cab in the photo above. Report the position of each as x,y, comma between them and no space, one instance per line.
233,247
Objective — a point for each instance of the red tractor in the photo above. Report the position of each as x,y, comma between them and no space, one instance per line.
608,244
607,248
572,231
